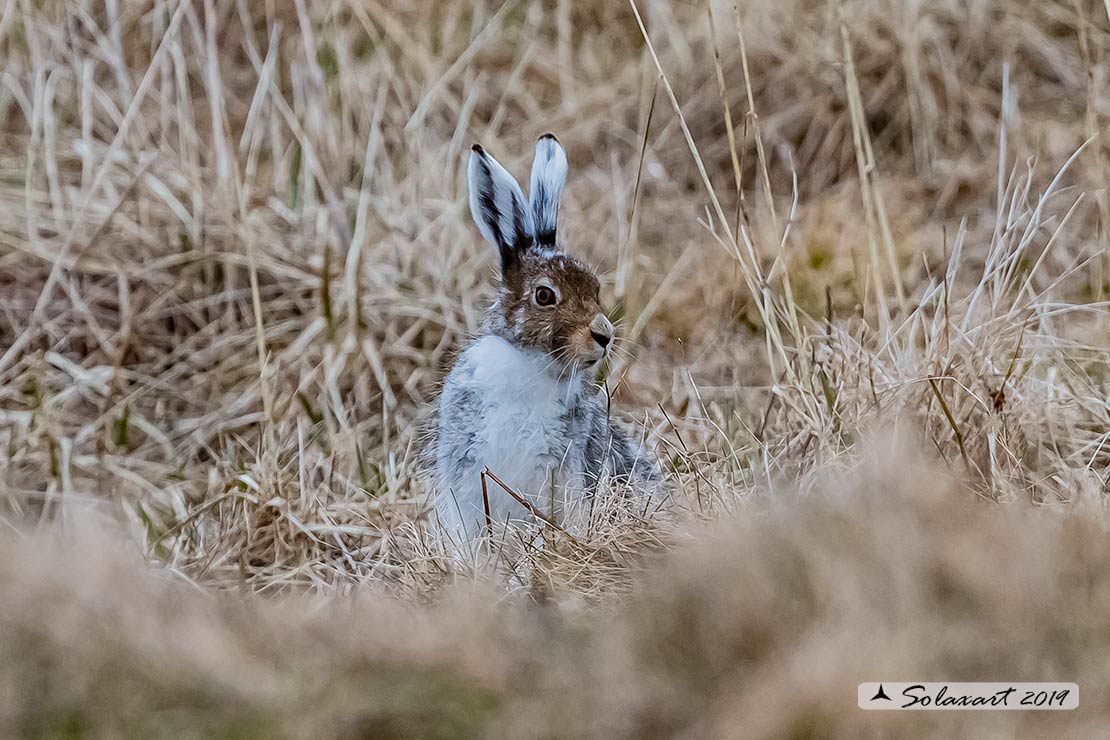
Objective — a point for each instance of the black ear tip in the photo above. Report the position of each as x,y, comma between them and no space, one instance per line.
551,136
477,149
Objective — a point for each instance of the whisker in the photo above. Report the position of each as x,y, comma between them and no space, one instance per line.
624,340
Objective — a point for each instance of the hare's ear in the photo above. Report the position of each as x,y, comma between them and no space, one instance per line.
498,206
549,172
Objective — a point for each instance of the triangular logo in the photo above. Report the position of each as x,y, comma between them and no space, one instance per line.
881,695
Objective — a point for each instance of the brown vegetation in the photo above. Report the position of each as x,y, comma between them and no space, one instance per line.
235,260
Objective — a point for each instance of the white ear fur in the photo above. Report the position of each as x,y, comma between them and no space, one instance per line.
549,172
498,205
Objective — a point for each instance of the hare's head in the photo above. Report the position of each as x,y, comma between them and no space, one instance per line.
548,300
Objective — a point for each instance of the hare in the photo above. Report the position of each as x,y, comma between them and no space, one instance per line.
522,399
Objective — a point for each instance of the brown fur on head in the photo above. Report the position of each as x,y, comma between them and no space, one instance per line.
573,328
548,300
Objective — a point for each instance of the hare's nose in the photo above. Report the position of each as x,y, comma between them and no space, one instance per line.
601,330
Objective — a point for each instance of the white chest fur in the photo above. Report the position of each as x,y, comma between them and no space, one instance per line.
522,424
517,427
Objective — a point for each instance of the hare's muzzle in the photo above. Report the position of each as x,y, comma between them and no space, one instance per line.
601,329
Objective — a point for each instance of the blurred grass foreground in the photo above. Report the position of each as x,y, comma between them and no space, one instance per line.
858,254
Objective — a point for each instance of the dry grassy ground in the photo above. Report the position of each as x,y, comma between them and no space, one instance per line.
235,260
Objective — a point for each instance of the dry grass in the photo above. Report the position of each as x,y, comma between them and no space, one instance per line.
759,629
235,260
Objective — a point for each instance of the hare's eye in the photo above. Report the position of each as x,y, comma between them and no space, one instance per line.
545,296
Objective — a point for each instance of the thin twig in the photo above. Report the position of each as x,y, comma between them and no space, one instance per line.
528,505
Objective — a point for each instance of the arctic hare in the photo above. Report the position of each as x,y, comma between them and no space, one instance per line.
522,399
